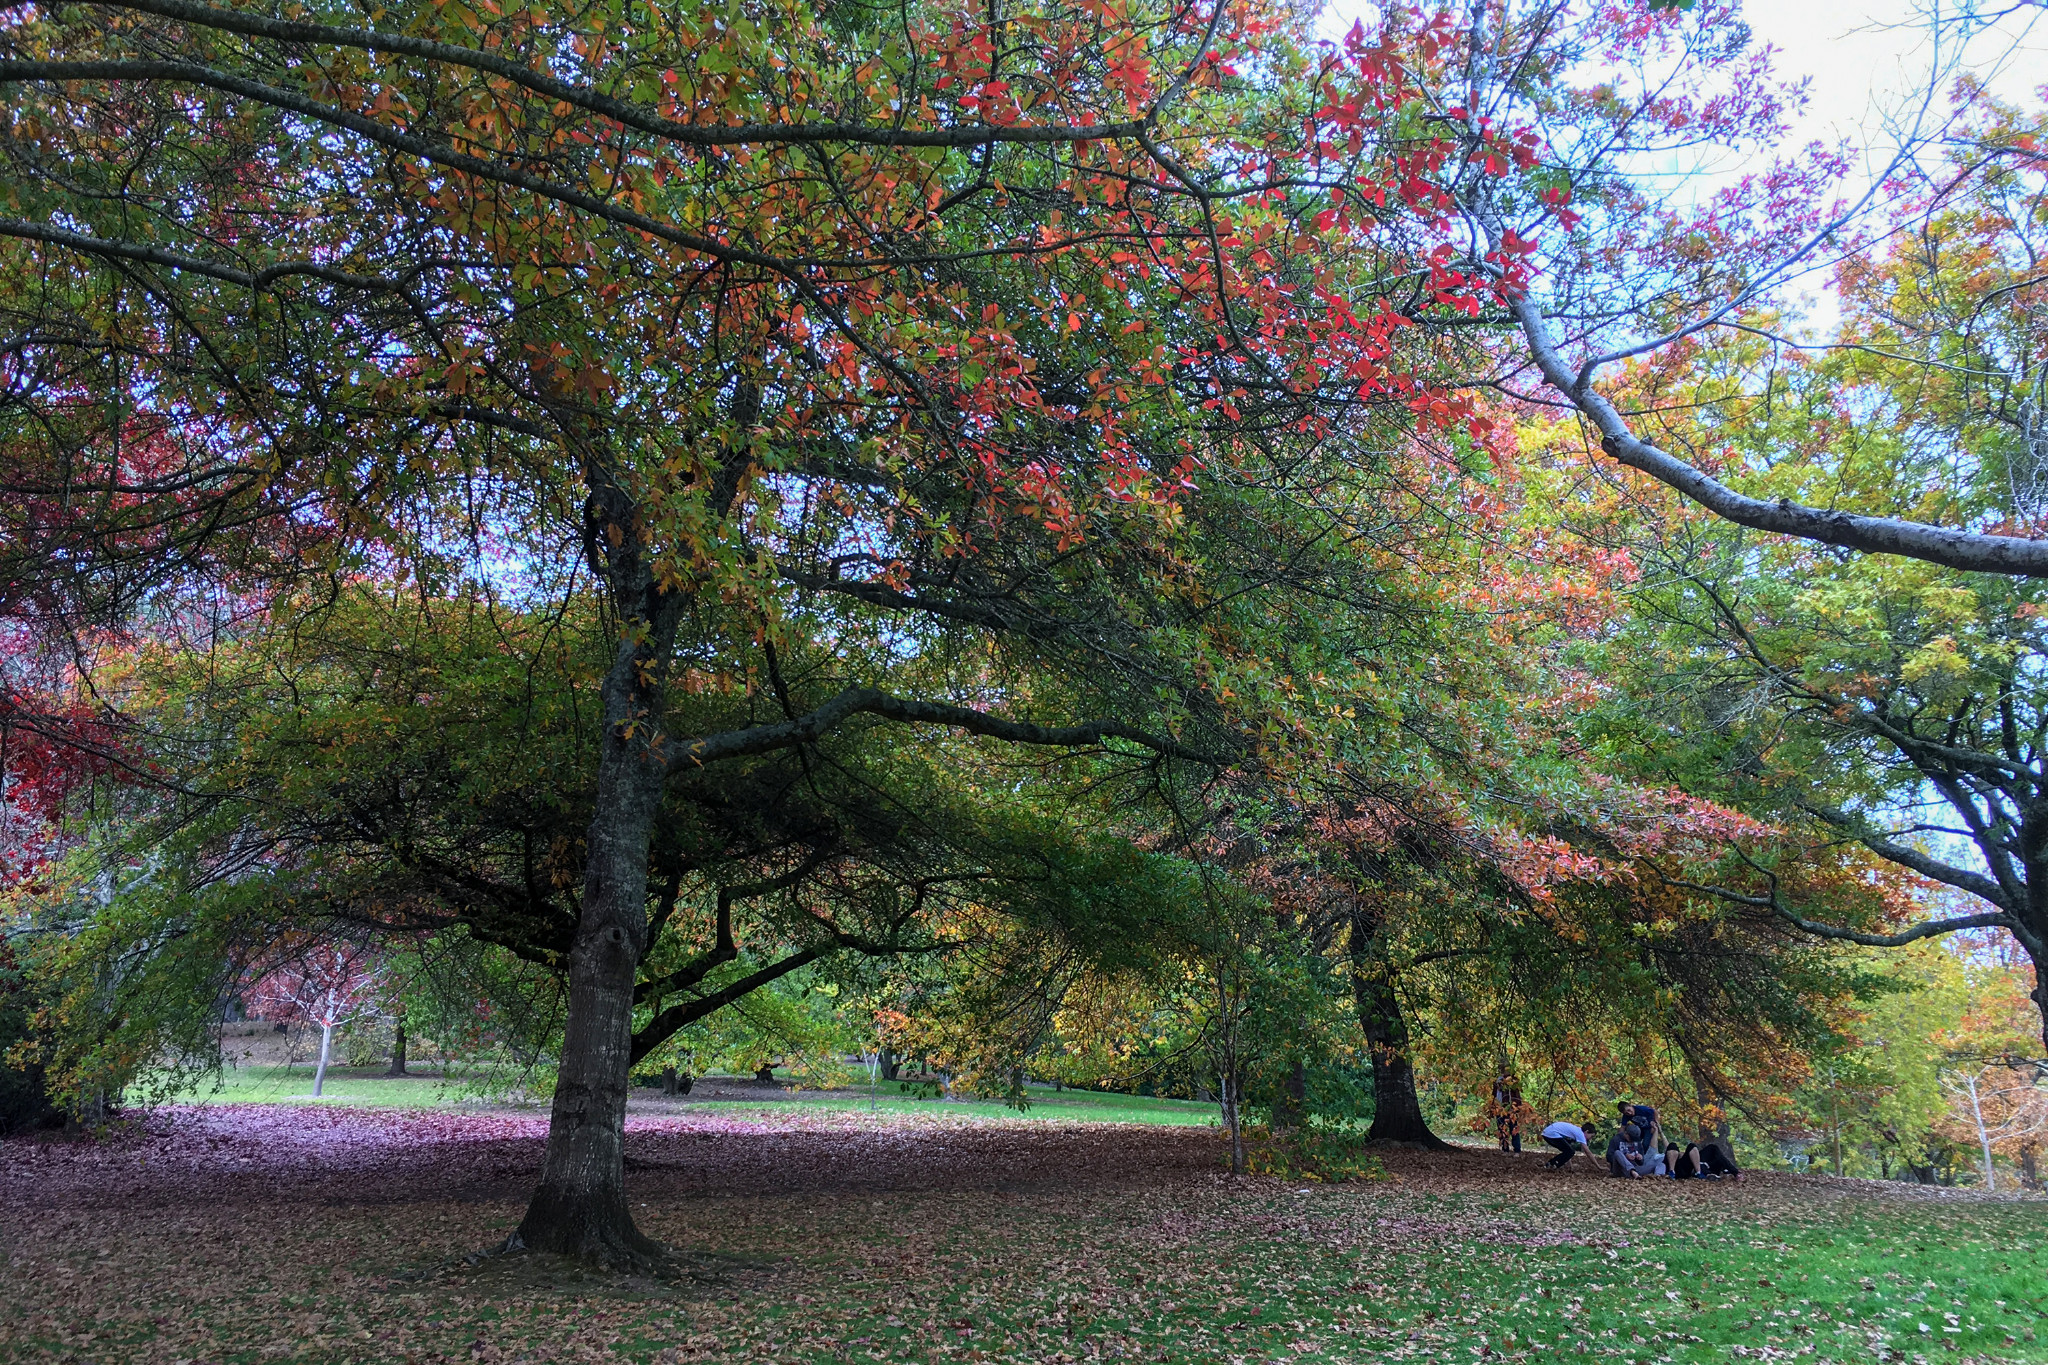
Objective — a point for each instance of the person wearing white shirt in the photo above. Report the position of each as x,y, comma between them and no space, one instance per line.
1570,1140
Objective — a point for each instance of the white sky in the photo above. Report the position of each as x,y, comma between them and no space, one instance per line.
1869,59
1869,63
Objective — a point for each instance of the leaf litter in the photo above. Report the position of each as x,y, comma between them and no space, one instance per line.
284,1233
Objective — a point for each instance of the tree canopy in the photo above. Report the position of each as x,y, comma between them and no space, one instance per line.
1126,542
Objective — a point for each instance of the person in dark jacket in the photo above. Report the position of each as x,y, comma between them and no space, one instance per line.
1624,1152
1718,1162
1643,1116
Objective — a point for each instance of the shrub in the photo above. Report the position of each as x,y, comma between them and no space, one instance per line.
1319,1149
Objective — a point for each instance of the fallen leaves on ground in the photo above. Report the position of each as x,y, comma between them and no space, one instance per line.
281,1233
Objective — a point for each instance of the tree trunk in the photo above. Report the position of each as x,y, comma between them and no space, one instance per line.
1710,1104
397,1048
579,1207
1397,1109
1233,1123
1983,1138
2034,942
326,1050
1290,1105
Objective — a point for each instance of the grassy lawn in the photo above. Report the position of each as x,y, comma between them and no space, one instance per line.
258,1234
1089,1106
1280,1274
367,1087
370,1087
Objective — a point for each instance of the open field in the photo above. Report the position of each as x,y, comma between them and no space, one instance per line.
369,1087
291,1233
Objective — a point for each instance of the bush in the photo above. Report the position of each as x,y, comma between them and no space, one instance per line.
367,1045
1317,1150
24,1098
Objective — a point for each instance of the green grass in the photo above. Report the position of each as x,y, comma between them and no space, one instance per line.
370,1088
1687,1284
1463,1261
1082,1106
367,1087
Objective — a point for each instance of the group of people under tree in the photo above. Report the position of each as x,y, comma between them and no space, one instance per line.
669,540
1639,1148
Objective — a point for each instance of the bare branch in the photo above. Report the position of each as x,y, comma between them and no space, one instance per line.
1773,902
1912,859
260,280
1952,548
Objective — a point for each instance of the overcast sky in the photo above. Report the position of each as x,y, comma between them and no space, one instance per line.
1869,63
1867,59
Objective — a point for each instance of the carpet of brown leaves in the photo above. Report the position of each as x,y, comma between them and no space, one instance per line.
254,1233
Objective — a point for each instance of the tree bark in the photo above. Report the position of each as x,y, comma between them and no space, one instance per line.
397,1048
1397,1109
579,1208
1710,1103
326,1050
1290,1104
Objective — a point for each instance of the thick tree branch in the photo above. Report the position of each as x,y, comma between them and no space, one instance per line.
880,595
664,1025
723,949
258,280
854,701
1912,859
1947,546
1775,904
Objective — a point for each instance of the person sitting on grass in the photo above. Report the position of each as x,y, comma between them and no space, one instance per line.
1570,1140
1700,1163
1623,1153
1717,1162
1632,1155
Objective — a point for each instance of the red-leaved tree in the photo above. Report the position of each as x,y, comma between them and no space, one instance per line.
324,983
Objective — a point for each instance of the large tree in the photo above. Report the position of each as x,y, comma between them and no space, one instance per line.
1895,705
1613,267
941,315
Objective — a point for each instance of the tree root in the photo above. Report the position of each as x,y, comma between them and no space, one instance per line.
1432,1143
